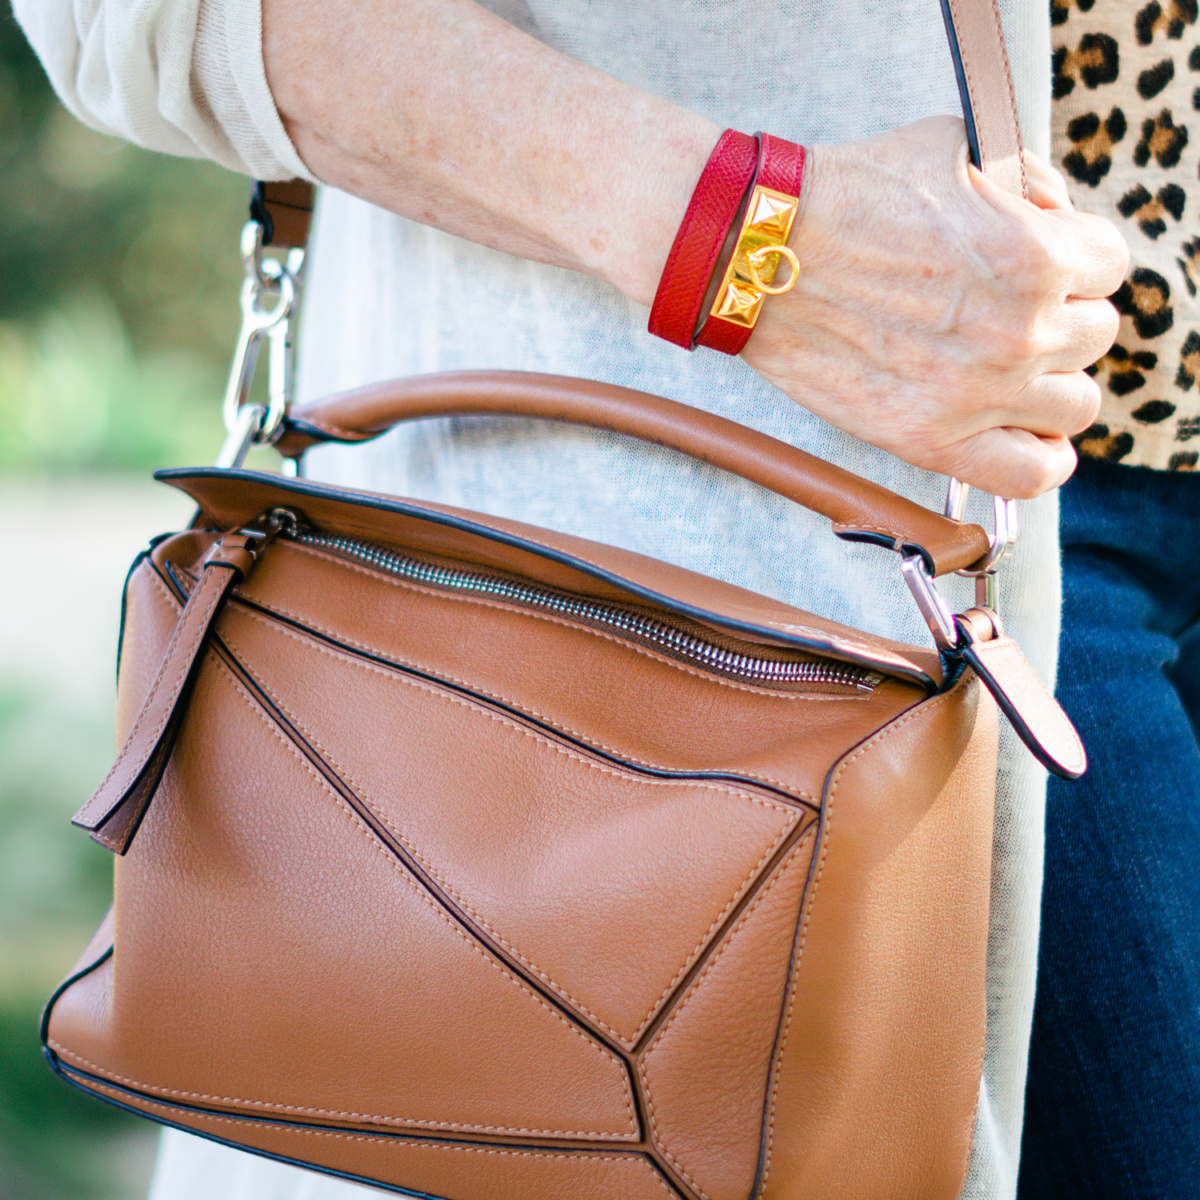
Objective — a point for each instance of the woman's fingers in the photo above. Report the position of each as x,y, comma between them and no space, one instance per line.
1079,334
1057,404
940,318
1058,249
1091,253
1013,463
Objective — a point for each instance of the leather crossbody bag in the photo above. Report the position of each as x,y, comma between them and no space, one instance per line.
480,862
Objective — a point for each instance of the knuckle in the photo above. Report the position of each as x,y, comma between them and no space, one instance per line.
1110,324
1017,342
1107,245
1042,475
1035,262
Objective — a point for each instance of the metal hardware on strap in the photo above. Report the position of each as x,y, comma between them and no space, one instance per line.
930,601
1002,541
269,301
915,569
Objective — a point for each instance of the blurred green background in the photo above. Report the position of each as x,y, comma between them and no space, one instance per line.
118,308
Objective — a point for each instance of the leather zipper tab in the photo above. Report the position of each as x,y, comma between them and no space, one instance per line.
1033,712
116,808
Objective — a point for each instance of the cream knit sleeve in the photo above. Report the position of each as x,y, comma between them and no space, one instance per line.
182,76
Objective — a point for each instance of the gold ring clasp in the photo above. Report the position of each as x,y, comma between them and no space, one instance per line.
757,261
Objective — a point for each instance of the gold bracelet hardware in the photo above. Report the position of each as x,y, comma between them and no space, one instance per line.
750,275
757,260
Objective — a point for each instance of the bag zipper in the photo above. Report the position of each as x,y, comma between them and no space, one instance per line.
634,626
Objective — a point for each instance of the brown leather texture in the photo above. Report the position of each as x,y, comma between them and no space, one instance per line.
854,505
449,893
115,809
285,208
1035,714
985,82
478,862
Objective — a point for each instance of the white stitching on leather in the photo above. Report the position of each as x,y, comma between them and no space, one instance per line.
614,1158
691,994
428,900
624,1039
920,711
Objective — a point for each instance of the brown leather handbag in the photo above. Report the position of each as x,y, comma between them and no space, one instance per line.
480,862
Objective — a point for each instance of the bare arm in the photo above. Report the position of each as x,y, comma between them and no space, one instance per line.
935,317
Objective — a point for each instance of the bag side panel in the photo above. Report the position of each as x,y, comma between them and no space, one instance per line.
877,1078
272,956
706,1071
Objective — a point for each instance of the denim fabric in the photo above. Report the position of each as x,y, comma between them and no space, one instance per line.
1113,1102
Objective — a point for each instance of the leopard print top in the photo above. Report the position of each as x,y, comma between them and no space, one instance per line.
1126,86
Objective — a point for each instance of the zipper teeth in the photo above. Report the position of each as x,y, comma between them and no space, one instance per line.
647,629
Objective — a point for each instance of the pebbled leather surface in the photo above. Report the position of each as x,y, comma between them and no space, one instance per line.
112,813
885,1019
571,970
274,946
710,214
781,167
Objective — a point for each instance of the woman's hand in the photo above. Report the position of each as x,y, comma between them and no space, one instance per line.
934,316
940,318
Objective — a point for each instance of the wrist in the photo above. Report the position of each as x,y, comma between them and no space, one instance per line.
628,245
725,256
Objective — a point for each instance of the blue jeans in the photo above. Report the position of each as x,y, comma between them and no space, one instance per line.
1113,1101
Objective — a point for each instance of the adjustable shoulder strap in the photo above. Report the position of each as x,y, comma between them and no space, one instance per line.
986,87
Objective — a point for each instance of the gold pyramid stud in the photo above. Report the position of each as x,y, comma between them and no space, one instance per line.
738,304
771,214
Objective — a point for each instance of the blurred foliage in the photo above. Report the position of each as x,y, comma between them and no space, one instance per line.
55,1143
119,272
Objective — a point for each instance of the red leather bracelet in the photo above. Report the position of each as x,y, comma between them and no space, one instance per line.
710,215
766,224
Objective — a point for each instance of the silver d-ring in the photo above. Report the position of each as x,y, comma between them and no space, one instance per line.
1004,535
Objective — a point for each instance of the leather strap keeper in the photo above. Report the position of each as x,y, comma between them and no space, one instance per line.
284,209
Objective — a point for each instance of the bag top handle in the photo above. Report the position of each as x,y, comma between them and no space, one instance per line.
859,509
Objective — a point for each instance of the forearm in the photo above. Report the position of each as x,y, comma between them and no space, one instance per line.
440,111
933,315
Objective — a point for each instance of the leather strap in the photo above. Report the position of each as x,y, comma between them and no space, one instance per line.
710,215
1034,713
985,85
116,808
781,168
858,508
284,210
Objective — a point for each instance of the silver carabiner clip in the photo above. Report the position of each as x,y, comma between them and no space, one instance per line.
923,586
1001,543
268,302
